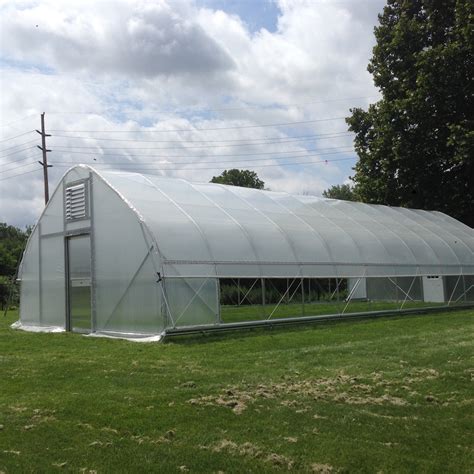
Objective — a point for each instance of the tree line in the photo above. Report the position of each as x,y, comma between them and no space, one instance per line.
12,244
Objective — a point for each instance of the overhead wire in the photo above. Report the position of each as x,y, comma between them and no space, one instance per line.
282,124
32,154
238,160
18,167
19,144
16,136
223,167
19,174
267,142
222,140
17,151
195,156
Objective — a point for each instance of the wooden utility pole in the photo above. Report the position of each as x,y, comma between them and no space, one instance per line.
44,163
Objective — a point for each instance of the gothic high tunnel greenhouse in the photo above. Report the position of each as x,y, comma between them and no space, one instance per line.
141,256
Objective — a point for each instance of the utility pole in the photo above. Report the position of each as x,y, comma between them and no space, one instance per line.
44,163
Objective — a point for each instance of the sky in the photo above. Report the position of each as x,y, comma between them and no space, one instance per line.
181,88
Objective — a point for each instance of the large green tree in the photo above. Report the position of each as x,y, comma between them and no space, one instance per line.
416,145
235,177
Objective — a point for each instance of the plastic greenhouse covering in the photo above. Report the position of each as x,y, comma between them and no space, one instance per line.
129,254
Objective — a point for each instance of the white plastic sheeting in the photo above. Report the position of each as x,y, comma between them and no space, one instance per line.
206,230
158,247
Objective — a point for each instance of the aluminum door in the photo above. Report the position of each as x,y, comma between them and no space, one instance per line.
79,284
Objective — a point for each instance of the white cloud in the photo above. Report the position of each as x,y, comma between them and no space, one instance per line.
140,65
142,39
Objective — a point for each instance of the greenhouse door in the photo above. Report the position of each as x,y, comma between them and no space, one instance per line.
79,283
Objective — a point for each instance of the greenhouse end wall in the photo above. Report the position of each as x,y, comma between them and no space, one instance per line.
123,294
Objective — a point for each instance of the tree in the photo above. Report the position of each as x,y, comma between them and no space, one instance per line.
12,243
340,191
235,177
416,145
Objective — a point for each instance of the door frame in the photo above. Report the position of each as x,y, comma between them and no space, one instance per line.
67,237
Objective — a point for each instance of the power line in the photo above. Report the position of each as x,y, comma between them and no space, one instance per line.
196,156
33,154
154,163
215,168
289,140
72,137
19,144
203,129
16,136
18,167
223,167
17,151
19,174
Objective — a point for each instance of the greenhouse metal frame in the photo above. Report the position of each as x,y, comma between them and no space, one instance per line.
141,256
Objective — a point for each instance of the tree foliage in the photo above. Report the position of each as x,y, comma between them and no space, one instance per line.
235,177
416,145
12,243
340,191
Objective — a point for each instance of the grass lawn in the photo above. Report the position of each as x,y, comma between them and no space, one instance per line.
383,395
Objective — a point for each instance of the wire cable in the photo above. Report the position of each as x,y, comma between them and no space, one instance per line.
154,163
19,144
16,136
30,155
19,174
198,156
289,140
203,129
17,151
137,170
195,141
18,167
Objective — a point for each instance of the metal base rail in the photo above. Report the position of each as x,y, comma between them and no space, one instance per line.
216,328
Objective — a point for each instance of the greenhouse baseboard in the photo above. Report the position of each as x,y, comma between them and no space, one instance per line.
309,320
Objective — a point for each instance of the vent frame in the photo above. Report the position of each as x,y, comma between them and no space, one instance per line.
76,201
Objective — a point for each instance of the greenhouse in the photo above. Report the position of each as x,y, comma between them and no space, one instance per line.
142,256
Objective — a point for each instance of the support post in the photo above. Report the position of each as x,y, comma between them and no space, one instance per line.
238,291
44,163
302,296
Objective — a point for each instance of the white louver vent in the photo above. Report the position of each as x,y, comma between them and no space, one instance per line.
76,206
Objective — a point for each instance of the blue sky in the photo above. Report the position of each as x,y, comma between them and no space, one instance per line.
255,14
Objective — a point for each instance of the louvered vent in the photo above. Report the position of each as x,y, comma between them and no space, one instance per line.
76,207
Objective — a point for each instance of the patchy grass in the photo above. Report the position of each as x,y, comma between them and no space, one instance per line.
379,395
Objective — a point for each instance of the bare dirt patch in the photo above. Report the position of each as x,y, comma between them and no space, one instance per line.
295,393
250,450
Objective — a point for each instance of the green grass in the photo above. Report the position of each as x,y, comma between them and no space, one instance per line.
383,395
232,314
